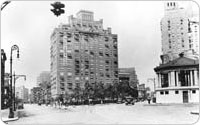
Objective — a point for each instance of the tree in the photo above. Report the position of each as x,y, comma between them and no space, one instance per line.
88,91
99,90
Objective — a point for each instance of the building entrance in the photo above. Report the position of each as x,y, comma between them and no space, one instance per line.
185,96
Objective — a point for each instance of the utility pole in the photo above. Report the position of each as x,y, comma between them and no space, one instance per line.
11,113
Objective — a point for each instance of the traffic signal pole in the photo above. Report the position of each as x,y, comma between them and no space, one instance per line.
58,8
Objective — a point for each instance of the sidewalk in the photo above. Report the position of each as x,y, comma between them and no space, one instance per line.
5,113
170,104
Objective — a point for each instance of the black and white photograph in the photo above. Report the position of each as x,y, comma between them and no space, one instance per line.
99,62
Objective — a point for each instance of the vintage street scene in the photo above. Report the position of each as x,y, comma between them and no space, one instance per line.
99,62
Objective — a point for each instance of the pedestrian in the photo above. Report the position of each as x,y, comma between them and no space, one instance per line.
149,100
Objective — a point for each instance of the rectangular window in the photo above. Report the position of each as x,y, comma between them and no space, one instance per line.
166,92
176,92
106,45
61,42
193,91
161,92
69,56
61,55
181,21
76,51
69,35
115,46
106,39
190,46
100,53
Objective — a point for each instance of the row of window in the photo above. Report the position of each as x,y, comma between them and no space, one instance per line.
190,46
86,38
69,55
176,92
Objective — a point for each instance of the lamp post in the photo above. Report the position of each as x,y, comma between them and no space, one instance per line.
3,96
15,78
11,113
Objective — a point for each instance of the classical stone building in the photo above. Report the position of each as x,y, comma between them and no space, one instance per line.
178,74
82,52
178,81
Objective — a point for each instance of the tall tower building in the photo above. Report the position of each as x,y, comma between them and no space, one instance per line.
179,33
178,76
82,52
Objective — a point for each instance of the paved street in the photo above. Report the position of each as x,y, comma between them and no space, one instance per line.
139,113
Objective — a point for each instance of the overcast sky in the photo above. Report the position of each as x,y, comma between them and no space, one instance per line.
30,24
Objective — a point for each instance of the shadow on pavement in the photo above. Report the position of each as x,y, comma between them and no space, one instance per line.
24,114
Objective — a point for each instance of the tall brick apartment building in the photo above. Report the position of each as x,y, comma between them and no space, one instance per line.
82,52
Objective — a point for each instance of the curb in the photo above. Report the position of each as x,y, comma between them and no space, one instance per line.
194,113
4,119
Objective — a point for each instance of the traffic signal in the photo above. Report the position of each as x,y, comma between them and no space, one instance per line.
57,8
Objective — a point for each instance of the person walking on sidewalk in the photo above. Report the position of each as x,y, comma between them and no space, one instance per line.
149,100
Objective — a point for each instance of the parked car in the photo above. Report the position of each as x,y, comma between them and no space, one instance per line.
130,101
20,105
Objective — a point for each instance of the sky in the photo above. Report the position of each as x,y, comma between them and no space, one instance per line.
29,24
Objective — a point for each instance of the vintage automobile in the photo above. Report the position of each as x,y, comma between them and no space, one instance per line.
20,104
130,100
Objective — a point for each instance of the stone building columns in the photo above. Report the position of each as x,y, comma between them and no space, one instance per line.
195,78
172,78
169,78
191,77
158,80
177,80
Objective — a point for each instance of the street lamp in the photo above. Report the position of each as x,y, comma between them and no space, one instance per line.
11,113
15,78
3,96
